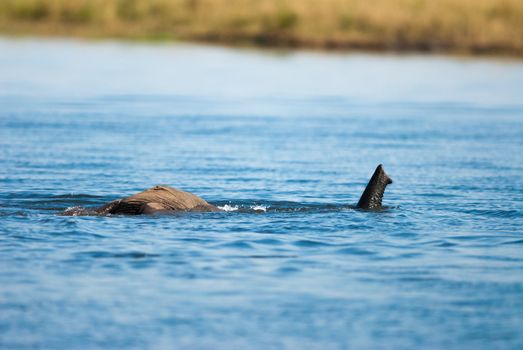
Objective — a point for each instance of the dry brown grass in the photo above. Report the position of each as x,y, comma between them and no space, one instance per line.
492,26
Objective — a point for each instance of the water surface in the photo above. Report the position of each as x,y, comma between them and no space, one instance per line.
285,141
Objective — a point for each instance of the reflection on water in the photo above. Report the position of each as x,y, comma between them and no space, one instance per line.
286,143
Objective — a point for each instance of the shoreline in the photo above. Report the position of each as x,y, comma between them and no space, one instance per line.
290,44
462,27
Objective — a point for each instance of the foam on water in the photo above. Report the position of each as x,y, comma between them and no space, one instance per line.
262,208
242,207
228,207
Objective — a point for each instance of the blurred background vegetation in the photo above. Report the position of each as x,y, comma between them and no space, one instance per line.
469,26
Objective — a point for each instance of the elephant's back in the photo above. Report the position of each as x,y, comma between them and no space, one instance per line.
171,199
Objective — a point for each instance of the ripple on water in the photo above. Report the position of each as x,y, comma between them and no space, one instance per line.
268,241
272,256
514,242
495,213
308,243
287,270
237,244
355,251
99,254
446,244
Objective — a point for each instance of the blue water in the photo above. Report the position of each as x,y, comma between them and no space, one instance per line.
286,141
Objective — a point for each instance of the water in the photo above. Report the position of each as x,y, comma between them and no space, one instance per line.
290,140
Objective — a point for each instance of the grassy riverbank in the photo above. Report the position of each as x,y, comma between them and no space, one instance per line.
469,26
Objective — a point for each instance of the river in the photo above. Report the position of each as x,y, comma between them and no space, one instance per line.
285,142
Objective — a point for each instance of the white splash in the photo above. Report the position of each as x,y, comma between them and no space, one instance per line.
228,207
255,207
259,208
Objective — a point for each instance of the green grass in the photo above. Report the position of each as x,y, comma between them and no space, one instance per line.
470,26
